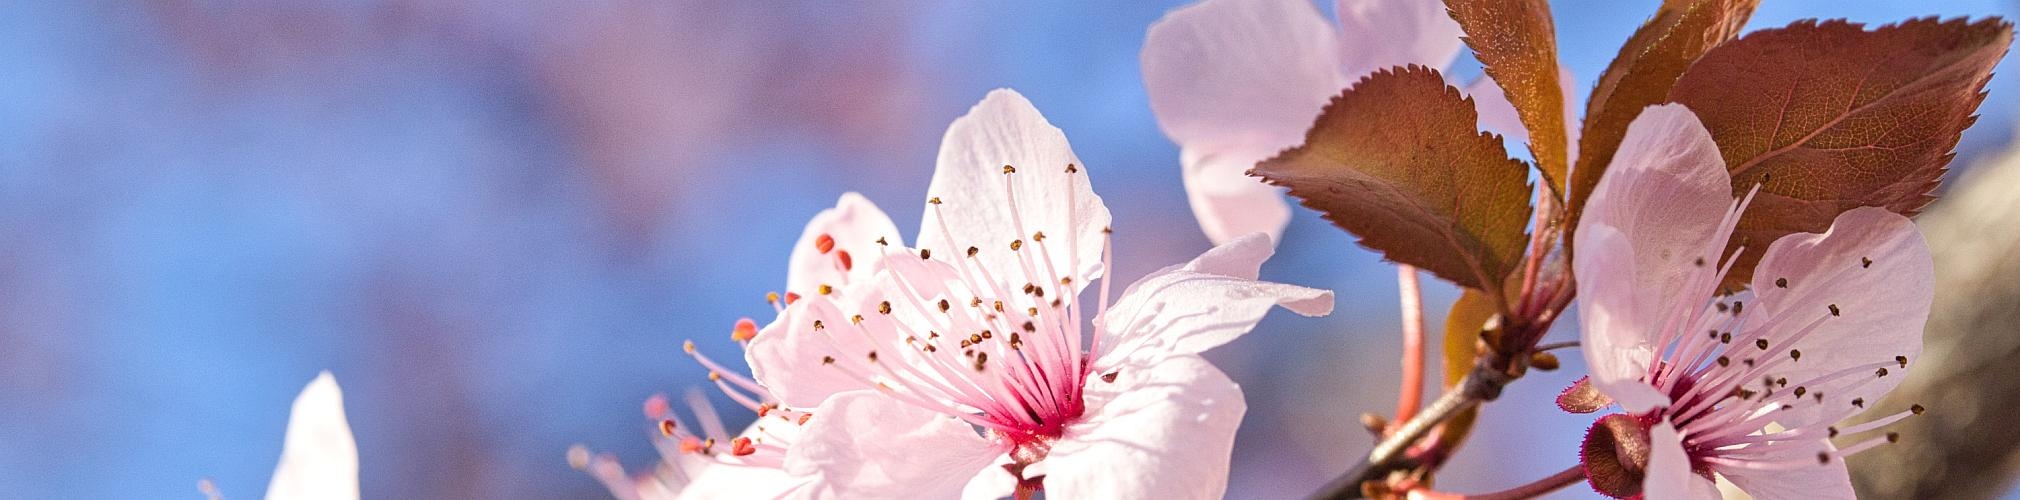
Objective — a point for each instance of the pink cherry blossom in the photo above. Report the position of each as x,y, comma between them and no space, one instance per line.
963,366
1749,385
838,247
1234,82
319,460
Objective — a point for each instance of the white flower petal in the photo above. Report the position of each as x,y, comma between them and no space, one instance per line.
1052,196
1669,475
1809,480
1869,280
853,228
993,483
1613,326
1164,431
862,444
1193,307
320,458
1649,240
789,356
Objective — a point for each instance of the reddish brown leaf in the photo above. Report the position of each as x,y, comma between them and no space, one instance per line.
1517,42
1398,161
1827,117
1647,67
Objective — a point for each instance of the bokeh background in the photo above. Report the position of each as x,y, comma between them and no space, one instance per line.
497,222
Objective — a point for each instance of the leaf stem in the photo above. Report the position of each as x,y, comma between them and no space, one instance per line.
1410,395
1532,490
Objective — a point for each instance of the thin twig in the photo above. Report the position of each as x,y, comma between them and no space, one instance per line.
1483,384
1532,490
1410,395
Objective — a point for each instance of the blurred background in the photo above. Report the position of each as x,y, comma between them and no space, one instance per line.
497,222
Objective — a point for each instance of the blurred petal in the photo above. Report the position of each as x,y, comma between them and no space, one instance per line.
1165,431
862,444
1376,34
852,228
320,459
1669,472
1052,194
1243,76
1873,269
1194,307
994,482
1233,82
1227,202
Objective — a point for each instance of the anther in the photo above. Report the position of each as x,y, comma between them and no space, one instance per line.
1865,262
843,257
1834,309
1882,372
933,201
771,297
1722,307
824,243
1834,432
972,251
1795,355
1916,409
1009,169
1030,327
792,297
1724,361
1725,338
873,356
714,376
1016,244
1761,343
1823,457
745,330
1110,376
1738,307
981,359
1901,360
1800,390
1066,281
827,360
826,289
882,242
884,307
687,346
1859,402
1893,437
666,427
856,320
1784,381
925,254
1782,282
818,326
804,417
944,306
1071,168
1038,236
1699,262
741,447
